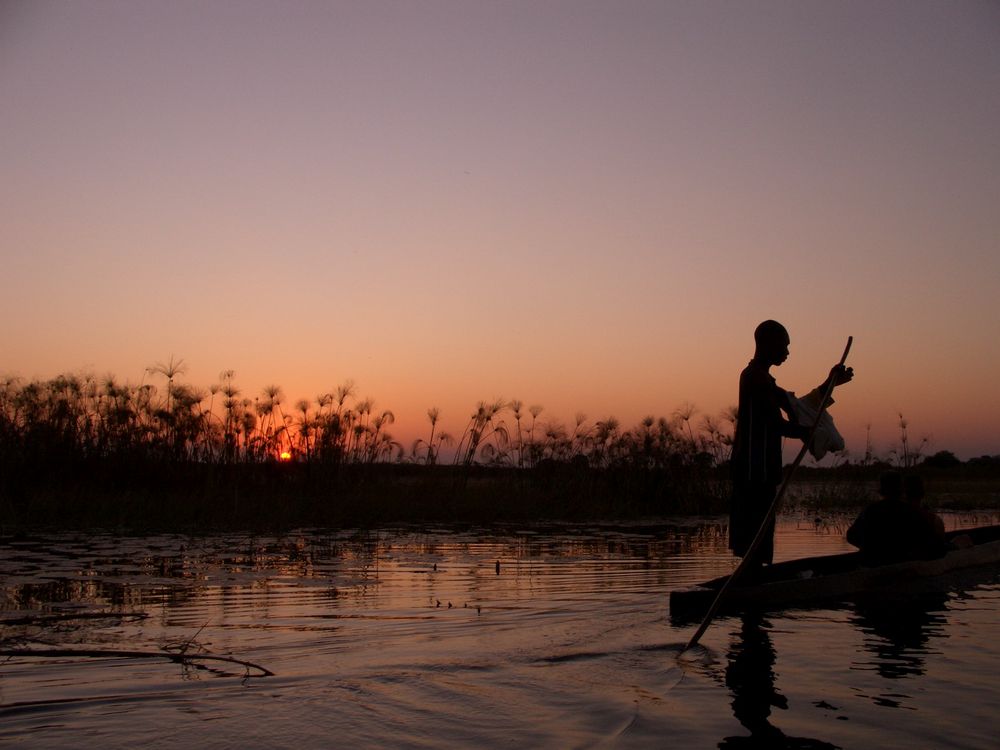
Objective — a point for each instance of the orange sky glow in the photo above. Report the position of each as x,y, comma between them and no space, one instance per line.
587,206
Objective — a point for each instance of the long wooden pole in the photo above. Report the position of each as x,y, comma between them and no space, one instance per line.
762,531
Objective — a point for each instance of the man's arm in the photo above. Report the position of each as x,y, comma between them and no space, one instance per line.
790,427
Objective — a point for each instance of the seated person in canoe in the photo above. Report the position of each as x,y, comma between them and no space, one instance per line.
892,530
913,490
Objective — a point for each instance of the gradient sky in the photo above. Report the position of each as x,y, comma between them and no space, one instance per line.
584,205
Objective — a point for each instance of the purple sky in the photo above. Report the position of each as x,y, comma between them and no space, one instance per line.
583,205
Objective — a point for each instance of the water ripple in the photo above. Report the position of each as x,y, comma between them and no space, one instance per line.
439,638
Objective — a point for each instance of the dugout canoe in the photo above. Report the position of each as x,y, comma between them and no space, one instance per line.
812,581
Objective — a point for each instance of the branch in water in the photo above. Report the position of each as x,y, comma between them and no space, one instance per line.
179,658
42,619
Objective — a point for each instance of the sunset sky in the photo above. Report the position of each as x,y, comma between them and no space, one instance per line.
584,205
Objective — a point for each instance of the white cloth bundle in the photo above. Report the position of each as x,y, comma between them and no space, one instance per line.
826,438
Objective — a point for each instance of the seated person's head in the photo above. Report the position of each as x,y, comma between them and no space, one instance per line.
890,485
913,486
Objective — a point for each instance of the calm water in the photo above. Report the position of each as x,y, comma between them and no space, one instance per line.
413,639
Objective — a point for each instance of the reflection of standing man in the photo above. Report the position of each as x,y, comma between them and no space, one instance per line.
751,678
760,425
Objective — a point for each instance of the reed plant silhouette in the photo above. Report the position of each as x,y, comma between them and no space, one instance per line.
905,454
427,451
105,418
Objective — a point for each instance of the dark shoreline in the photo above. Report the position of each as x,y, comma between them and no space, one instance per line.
273,496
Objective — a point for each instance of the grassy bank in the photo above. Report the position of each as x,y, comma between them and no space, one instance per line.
83,451
187,496
277,496
78,451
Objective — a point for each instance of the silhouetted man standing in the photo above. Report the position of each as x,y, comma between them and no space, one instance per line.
765,416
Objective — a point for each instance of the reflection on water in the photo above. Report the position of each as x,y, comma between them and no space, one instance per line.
898,632
751,679
541,636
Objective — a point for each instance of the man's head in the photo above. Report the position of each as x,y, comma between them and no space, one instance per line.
772,342
890,485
